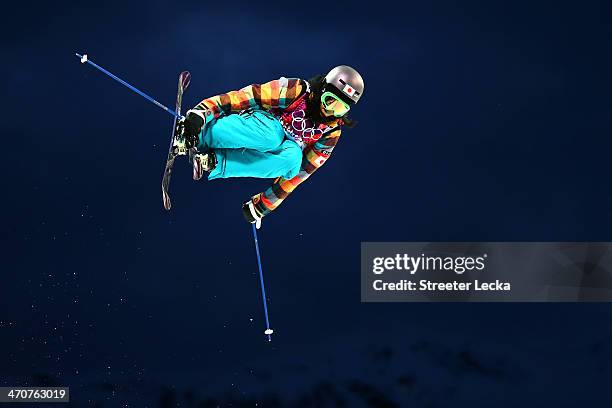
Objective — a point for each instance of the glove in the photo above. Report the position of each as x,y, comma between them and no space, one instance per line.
251,214
192,126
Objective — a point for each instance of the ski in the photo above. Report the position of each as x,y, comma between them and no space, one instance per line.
177,142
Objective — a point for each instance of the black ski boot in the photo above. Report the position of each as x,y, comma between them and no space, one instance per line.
203,162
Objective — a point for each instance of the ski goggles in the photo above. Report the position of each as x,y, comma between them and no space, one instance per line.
333,103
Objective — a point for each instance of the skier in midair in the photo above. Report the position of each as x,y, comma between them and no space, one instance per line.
283,129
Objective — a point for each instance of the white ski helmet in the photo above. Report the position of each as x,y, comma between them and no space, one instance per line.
347,80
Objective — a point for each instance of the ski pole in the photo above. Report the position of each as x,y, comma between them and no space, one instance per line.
268,331
84,59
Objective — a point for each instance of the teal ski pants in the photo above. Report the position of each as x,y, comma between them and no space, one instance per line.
250,144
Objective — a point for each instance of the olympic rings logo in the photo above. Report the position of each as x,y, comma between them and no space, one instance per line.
299,123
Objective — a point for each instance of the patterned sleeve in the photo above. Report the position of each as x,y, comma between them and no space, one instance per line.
314,156
278,93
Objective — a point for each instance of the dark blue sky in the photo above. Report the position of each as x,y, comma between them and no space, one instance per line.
479,122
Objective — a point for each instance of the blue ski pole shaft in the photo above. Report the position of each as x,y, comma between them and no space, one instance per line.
121,81
263,288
